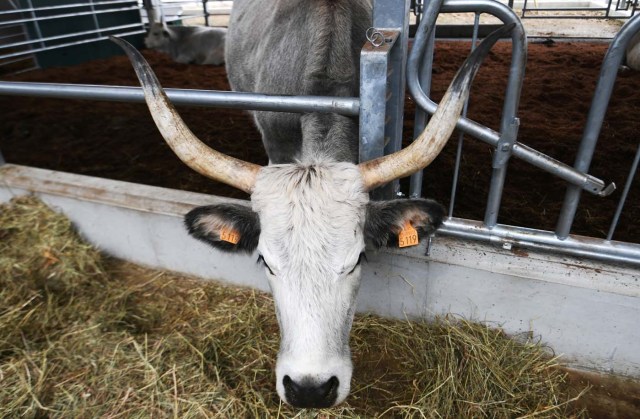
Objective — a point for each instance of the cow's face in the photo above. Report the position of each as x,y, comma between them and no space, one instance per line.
158,36
309,225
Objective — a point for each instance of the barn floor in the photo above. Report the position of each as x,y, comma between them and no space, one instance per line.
119,141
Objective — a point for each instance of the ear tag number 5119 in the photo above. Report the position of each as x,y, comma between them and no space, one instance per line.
408,236
229,235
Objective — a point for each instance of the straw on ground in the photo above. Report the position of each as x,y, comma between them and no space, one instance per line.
83,335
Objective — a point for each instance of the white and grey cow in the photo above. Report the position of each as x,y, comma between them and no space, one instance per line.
310,214
633,53
188,44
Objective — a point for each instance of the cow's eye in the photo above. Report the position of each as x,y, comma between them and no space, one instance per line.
262,261
362,256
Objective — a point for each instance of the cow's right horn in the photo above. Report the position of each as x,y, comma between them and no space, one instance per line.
193,152
428,145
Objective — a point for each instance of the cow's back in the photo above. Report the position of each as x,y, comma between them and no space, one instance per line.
303,47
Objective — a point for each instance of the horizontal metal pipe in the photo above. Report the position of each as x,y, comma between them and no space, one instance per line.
70,44
581,246
71,35
90,12
65,6
17,60
237,100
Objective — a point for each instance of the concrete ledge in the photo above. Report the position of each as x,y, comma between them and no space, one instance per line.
585,310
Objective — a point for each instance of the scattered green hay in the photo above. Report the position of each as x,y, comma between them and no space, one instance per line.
85,336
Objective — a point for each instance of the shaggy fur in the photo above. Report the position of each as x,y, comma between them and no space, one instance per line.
300,47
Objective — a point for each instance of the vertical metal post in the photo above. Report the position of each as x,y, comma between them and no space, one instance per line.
601,97
394,15
95,18
36,25
456,169
508,128
623,197
422,65
421,117
205,12
374,65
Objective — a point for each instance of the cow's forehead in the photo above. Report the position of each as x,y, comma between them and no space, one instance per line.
311,212
327,195
309,188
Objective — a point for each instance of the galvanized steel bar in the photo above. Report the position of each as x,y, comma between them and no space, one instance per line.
394,15
456,167
599,104
95,18
424,65
501,156
64,6
68,15
36,26
623,196
374,61
71,35
580,246
69,44
237,100
474,129
374,65
512,95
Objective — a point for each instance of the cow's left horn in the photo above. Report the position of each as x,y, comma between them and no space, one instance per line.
196,154
428,145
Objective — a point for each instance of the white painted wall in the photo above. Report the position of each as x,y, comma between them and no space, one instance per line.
585,310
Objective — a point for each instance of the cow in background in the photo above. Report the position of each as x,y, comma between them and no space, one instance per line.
188,44
633,53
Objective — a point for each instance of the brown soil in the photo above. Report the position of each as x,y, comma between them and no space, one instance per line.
608,396
119,141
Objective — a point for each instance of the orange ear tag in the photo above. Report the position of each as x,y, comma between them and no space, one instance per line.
229,235
408,236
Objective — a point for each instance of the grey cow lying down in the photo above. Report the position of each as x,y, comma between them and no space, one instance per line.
633,53
188,44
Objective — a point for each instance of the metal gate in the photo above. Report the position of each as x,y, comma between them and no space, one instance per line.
385,69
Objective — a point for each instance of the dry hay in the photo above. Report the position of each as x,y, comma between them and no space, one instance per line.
82,335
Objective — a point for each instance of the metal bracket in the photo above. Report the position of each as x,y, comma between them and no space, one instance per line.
505,144
598,187
375,59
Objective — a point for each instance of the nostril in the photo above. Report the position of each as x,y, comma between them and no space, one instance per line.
331,386
306,393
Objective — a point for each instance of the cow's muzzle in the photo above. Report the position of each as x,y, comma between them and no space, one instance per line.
309,394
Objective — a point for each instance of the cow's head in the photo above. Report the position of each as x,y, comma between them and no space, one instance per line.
158,35
309,224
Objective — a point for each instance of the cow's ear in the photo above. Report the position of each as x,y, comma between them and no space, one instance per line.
386,219
228,227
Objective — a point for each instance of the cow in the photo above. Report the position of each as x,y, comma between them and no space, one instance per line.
310,215
188,44
633,53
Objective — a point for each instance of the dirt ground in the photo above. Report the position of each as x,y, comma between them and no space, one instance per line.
119,141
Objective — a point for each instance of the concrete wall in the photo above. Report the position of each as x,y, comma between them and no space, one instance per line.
586,311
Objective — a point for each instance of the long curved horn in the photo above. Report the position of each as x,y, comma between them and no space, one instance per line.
196,154
428,145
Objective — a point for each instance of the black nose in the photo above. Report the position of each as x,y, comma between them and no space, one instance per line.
309,394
